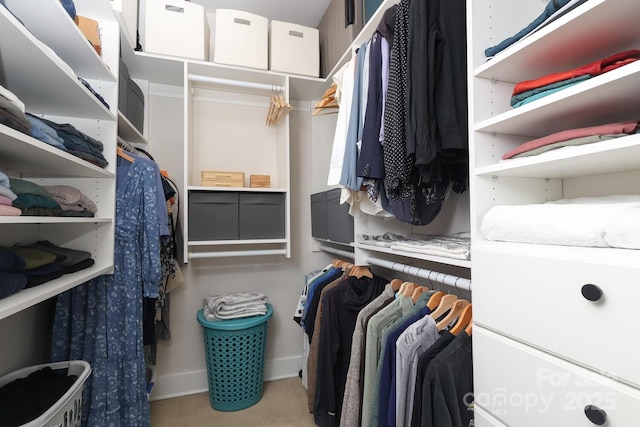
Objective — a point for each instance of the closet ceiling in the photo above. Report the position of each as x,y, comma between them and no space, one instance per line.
303,12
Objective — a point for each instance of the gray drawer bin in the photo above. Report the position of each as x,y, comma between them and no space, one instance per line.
262,216
319,216
123,82
135,105
213,216
339,222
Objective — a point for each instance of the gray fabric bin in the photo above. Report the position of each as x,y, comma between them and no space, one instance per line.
213,216
319,215
262,216
339,222
123,82
135,105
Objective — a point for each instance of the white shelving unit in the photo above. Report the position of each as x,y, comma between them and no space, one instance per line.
40,62
128,131
562,333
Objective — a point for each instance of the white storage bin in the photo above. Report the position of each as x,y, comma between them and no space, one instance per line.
127,11
176,28
67,411
241,38
294,49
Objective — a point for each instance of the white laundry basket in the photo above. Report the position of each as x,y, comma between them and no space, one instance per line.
67,411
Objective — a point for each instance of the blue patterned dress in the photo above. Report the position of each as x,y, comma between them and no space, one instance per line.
101,320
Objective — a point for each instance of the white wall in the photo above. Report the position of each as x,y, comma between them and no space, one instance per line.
181,367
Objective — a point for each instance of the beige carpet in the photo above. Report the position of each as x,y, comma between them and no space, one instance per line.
284,403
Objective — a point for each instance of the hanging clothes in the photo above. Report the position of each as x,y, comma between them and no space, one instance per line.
101,320
340,310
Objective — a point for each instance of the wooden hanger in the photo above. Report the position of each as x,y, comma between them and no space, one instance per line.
364,271
395,284
419,290
408,289
124,155
434,300
445,305
454,313
464,321
469,328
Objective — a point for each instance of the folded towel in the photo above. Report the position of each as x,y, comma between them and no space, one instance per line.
241,304
570,222
623,229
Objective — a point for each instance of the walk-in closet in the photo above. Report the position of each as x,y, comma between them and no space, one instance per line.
411,212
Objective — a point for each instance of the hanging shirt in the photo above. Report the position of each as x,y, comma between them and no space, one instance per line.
340,311
350,414
344,78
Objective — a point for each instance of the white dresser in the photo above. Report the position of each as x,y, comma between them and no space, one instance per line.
552,338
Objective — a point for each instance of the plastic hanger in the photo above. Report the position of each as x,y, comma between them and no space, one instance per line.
434,300
445,305
454,313
464,321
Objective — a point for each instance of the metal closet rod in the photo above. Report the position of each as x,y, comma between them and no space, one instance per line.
235,83
431,275
336,251
226,254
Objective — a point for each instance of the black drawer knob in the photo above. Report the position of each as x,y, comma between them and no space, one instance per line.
595,415
591,292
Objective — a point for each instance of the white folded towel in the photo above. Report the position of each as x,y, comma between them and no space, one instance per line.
570,222
623,229
231,306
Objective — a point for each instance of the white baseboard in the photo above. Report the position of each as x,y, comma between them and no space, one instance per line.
186,383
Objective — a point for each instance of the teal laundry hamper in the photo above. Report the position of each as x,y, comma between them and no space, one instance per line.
235,353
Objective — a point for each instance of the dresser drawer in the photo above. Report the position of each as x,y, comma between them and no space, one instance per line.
539,300
524,387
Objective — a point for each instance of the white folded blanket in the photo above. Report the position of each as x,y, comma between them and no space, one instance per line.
568,222
232,306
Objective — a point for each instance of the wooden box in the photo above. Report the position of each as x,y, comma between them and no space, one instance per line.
222,179
260,181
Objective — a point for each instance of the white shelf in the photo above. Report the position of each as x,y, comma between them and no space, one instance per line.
610,23
45,78
53,26
414,255
236,242
605,256
608,98
25,61
128,131
333,242
32,157
53,220
616,155
238,189
29,297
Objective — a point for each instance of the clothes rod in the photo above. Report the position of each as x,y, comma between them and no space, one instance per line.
338,252
236,83
434,276
226,254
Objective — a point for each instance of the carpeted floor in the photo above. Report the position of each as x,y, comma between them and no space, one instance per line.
283,404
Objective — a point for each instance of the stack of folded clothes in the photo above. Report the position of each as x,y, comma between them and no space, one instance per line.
72,201
32,199
37,263
73,141
531,90
7,197
12,112
233,306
